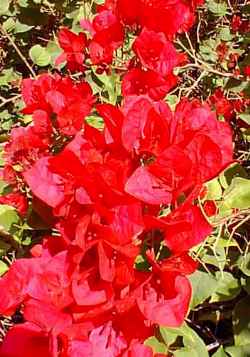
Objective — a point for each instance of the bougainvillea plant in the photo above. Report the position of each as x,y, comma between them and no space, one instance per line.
124,179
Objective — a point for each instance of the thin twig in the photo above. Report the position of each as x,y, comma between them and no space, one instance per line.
247,218
190,44
5,33
203,65
198,29
12,99
195,84
230,5
185,49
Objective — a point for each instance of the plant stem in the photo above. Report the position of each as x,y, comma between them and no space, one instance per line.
5,33
12,99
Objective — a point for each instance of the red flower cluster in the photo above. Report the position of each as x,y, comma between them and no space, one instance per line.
159,21
107,191
123,200
164,16
73,49
154,73
226,107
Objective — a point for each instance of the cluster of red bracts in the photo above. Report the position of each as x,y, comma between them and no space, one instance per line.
123,200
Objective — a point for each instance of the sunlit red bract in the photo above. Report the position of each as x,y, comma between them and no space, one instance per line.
122,199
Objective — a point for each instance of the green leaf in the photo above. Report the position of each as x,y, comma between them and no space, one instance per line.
4,6
245,117
53,50
172,100
224,242
3,268
214,190
232,171
220,353
95,121
216,256
203,286
4,247
15,26
141,263
245,282
156,345
79,14
7,76
218,9
111,85
192,342
27,241
236,85
169,335
227,288
241,322
237,195
23,3
3,186
225,34
40,56
185,352
207,50
239,351
9,25
8,217
244,264
21,28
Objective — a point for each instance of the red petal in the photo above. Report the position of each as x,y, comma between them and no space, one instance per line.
166,305
48,317
148,188
44,184
25,340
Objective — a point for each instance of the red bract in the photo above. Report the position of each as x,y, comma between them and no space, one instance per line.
155,52
25,147
177,152
182,229
17,200
108,35
46,185
74,49
164,16
83,176
166,299
103,341
236,23
146,125
25,340
210,208
185,228
98,186
208,141
138,81
38,281
221,104
181,263
138,350
113,119
148,188
65,102
247,71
